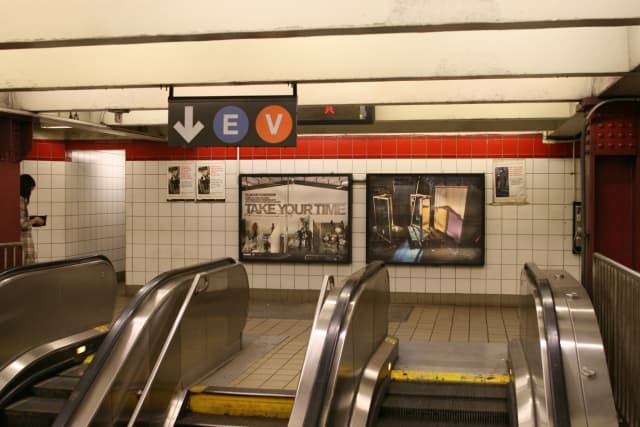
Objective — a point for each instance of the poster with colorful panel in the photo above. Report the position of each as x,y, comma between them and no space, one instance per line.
430,219
295,218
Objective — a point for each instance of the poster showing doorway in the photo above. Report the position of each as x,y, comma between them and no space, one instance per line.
430,219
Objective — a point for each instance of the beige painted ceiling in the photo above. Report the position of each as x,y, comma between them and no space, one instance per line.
427,65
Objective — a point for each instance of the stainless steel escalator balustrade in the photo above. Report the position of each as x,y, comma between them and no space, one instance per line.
568,381
141,342
352,323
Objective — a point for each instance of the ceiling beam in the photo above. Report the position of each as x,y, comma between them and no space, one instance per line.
413,56
78,22
437,126
374,93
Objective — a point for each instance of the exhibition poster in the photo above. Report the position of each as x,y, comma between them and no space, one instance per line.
509,182
181,180
211,180
295,218
188,180
430,219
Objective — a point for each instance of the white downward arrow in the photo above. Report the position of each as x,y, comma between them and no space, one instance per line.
189,130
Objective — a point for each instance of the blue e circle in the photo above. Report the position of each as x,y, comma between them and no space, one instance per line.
231,124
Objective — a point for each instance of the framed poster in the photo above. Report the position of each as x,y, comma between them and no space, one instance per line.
295,218
510,183
430,219
211,180
181,180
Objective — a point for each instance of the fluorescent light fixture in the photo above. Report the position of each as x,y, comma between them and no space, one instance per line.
55,127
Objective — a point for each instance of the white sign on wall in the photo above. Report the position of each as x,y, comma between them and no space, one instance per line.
188,180
211,180
509,186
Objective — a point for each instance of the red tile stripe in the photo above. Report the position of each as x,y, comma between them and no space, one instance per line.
328,147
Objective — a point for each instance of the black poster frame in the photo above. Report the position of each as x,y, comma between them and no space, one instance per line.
436,219
310,228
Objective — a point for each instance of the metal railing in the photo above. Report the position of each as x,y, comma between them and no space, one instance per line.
550,352
349,327
616,296
564,353
179,327
10,255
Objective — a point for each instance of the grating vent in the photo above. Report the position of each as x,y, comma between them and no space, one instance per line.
445,404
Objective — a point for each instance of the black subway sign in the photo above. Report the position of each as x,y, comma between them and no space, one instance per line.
225,122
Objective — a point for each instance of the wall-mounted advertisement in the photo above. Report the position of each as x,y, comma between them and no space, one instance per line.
188,180
295,218
211,180
181,181
510,182
429,219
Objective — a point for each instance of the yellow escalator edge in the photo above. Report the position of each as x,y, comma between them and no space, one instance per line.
102,328
246,406
449,377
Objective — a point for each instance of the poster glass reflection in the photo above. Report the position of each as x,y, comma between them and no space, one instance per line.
295,218
431,219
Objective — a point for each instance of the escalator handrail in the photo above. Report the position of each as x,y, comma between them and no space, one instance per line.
118,328
555,378
28,268
322,380
27,299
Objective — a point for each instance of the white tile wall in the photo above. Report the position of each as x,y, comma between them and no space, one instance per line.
84,203
48,199
162,235
95,220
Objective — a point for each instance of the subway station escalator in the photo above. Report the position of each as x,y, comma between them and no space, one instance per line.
411,397
54,316
40,403
62,374
149,369
555,374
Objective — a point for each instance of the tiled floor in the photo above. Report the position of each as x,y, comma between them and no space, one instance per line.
280,368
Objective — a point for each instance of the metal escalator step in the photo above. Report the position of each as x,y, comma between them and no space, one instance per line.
423,423
75,371
436,409
480,391
33,411
209,420
60,387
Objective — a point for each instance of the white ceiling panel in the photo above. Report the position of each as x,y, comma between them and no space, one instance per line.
81,20
443,55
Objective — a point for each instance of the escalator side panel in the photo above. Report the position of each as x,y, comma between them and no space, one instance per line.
40,303
348,328
174,331
572,337
586,372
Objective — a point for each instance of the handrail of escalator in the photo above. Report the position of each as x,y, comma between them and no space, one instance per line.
51,264
75,401
557,385
44,302
165,346
328,283
310,405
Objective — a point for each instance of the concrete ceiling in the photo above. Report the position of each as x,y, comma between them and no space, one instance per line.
427,65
